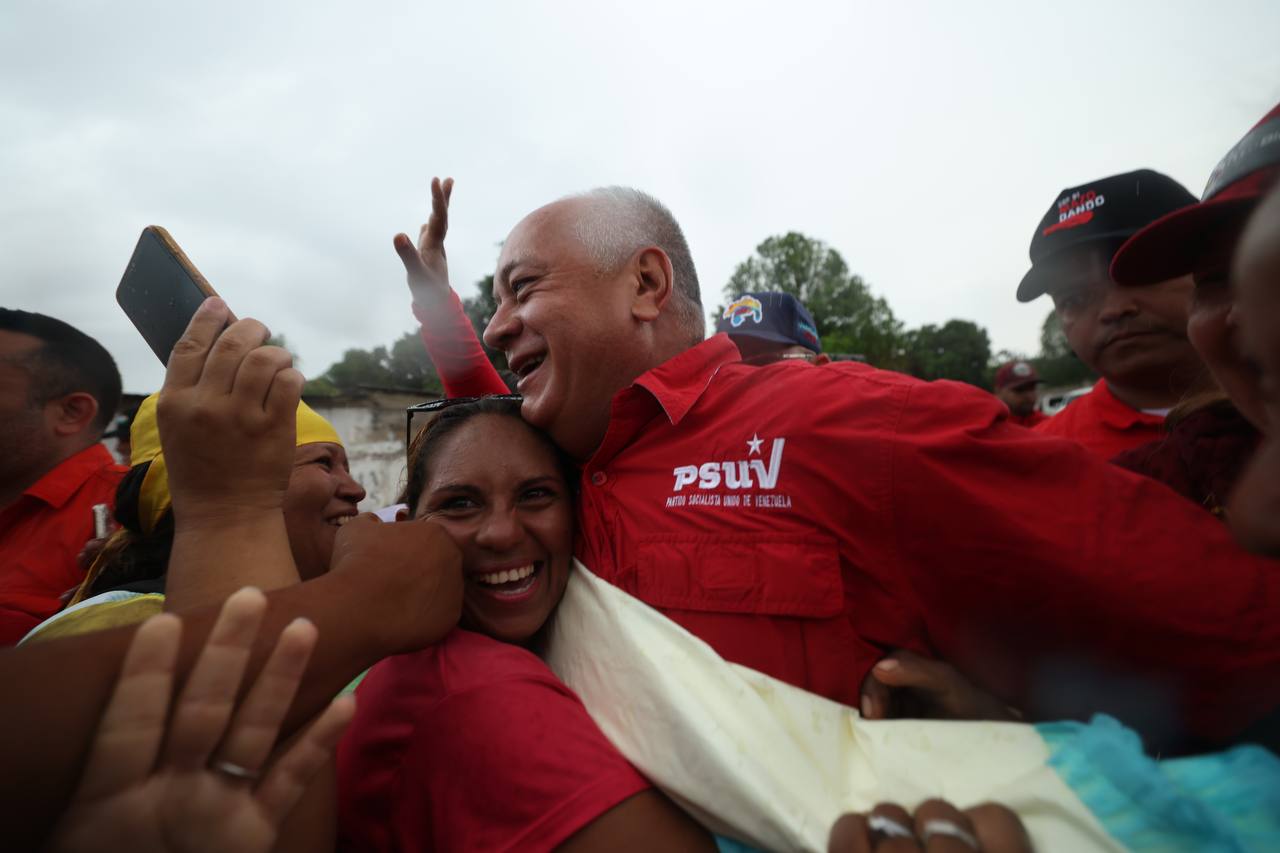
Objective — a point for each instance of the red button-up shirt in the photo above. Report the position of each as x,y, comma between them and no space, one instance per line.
42,532
1104,424
805,519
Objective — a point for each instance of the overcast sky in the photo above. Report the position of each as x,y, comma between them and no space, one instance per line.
283,144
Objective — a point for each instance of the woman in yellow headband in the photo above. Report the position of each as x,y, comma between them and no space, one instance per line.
126,583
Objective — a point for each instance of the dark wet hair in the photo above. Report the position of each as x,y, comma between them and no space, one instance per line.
427,443
132,555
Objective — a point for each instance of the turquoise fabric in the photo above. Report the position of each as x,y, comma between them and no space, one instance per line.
1219,803
728,845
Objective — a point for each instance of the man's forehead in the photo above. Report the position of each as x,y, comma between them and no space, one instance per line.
542,233
1078,271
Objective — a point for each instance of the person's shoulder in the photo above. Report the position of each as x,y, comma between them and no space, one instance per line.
800,378
462,662
852,395
470,660
111,609
101,472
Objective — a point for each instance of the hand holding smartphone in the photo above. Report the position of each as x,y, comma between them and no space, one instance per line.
161,290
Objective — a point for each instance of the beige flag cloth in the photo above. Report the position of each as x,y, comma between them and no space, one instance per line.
771,765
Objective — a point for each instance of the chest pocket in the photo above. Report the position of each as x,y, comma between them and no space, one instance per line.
765,574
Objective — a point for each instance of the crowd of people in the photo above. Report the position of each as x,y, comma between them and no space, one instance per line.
238,659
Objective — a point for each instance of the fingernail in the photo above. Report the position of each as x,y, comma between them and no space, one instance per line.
212,303
300,620
887,665
866,706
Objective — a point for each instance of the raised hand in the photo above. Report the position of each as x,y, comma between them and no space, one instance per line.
207,780
425,264
227,418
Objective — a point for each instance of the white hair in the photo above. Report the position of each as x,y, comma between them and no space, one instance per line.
622,220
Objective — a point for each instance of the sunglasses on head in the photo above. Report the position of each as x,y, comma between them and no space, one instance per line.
435,407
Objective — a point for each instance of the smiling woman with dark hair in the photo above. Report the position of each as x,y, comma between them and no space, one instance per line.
474,744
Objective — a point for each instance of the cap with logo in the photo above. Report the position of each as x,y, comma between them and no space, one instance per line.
1016,374
1170,246
777,317
1108,209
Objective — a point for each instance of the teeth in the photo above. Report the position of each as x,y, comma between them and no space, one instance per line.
506,576
341,520
529,366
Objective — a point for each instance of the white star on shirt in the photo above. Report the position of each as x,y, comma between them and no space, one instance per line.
753,446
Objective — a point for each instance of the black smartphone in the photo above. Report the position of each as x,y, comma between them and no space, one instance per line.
161,290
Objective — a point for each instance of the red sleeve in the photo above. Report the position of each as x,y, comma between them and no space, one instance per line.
459,359
1117,593
513,766
472,746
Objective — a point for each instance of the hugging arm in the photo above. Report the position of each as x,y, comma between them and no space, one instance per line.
364,609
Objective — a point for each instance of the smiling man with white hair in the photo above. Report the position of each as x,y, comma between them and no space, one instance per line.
802,520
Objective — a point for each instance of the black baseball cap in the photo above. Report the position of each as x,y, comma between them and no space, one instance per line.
1106,210
777,317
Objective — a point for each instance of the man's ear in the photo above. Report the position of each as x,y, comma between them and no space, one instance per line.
71,414
654,284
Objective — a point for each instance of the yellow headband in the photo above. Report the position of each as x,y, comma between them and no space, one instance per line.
144,439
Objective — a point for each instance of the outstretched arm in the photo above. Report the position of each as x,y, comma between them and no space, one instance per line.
393,588
1068,586
446,332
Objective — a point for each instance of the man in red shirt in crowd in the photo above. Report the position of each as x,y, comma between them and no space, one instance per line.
59,389
1016,386
804,520
1135,340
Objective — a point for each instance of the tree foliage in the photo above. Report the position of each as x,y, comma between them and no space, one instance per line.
405,364
958,349
849,317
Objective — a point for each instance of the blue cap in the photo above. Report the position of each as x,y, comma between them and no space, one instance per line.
777,317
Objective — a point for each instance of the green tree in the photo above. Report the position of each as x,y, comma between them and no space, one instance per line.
404,365
849,317
1057,363
958,350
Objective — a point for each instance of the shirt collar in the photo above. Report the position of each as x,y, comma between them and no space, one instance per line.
1118,413
679,382
57,486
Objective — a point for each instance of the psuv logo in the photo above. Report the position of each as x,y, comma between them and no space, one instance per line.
742,308
735,473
